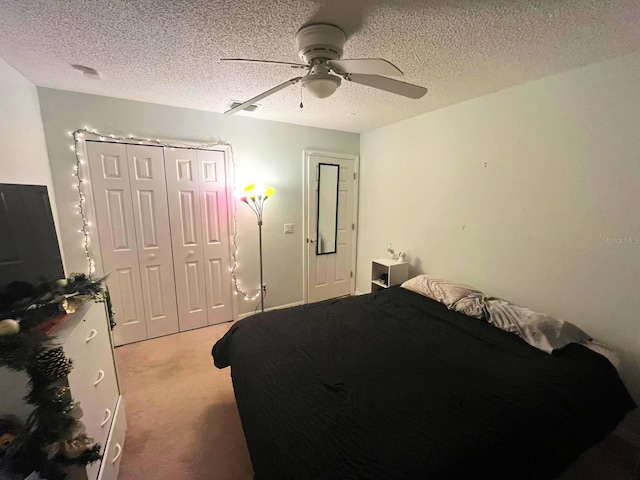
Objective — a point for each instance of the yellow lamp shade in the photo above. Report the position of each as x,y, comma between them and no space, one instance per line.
257,190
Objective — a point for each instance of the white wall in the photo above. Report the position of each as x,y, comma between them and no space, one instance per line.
23,151
264,150
522,193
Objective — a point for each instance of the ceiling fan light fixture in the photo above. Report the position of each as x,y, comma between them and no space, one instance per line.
321,85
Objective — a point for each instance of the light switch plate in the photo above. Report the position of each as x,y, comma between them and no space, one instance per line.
288,228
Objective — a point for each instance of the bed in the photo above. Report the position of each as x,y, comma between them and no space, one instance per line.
394,385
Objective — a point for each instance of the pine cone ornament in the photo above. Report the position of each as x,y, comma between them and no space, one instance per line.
53,364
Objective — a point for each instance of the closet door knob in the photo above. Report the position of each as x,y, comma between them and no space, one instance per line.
152,255
190,252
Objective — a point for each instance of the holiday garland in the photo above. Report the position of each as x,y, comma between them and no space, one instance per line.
53,437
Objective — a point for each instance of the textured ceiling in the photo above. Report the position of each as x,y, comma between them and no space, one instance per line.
167,51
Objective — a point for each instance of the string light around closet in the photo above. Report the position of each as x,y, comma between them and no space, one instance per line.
81,179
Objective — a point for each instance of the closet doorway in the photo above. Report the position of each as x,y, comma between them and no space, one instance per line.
163,231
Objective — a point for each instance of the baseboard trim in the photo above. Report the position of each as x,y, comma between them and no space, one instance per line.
627,435
278,307
358,292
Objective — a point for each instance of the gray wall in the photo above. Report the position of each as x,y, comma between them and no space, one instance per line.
264,150
531,194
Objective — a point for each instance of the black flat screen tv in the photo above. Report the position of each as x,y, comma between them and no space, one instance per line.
29,252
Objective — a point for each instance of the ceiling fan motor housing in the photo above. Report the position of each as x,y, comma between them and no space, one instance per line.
320,41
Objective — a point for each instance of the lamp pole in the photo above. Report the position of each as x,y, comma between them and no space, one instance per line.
255,198
261,281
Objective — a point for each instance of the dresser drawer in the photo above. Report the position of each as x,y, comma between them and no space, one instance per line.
75,348
97,338
99,401
89,347
110,465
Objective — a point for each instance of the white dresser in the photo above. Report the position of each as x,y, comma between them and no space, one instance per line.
93,382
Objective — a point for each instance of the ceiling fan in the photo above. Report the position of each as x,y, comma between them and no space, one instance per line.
320,47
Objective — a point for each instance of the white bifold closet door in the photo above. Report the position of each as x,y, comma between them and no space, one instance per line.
212,170
118,245
130,200
162,221
198,209
151,219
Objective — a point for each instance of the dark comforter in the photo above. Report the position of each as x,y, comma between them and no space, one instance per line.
393,385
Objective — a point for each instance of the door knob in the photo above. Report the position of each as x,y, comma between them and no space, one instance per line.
190,252
152,255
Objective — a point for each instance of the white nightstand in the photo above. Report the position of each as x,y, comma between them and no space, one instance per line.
394,271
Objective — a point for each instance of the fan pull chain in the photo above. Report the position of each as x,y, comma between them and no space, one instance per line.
301,105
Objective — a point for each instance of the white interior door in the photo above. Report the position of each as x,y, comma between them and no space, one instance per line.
185,213
113,205
330,275
151,219
215,234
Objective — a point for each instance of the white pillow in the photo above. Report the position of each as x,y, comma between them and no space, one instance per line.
472,305
537,329
440,290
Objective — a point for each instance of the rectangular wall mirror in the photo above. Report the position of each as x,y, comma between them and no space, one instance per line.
327,211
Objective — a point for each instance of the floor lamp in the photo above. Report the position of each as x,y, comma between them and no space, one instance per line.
255,196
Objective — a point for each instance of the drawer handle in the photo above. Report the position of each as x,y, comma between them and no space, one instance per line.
100,378
92,335
117,455
107,417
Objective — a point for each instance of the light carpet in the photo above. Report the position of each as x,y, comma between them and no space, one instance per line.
182,417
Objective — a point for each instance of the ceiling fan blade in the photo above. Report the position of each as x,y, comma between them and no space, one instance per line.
389,85
367,66
271,91
292,65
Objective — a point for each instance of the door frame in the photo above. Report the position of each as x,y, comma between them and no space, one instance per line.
306,156
89,209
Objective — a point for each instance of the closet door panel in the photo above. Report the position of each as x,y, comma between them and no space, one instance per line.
185,213
151,220
212,185
109,171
